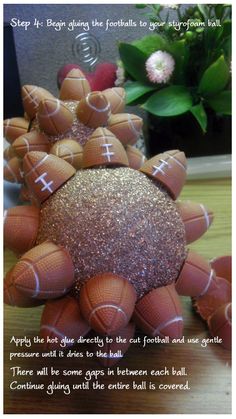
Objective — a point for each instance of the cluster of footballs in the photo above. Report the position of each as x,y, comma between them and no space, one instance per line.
76,160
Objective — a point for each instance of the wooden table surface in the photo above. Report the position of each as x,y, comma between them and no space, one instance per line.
208,369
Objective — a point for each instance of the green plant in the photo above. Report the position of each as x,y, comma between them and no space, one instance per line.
199,41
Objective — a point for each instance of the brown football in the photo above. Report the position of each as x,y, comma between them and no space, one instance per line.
54,117
159,313
9,152
168,168
135,156
14,127
61,318
45,173
93,110
13,297
103,148
46,271
70,151
31,141
116,98
220,324
126,127
32,96
107,302
12,171
222,266
23,221
196,217
75,86
196,276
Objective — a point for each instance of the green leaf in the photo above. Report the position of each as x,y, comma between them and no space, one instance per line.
199,113
227,28
157,8
170,101
221,103
135,90
227,48
140,6
214,78
134,61
219,11
204,10
151,43
180,52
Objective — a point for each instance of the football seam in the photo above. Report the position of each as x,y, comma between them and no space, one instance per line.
197,218
91,308
53,123
163,325
197,267
21,147
139,314
116,124
119,306
177,309
21,216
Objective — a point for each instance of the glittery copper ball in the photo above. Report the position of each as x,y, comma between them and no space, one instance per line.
116,220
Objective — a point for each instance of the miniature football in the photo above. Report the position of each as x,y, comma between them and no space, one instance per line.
63,71
222,266
107,302
70,151
196,277
213,305
197,219
47,175
32,96
14,297
126,127
29,277
54,117
168,320
14,127
104,148
61,319
220,324
219,295
9,152
135,157
21,228
74,117
168,168
31,141
116,98
13,170
94,110
74,86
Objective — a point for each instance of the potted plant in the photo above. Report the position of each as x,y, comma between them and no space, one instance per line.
181,75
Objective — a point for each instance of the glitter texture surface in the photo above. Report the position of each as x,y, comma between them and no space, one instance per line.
78,131
116,220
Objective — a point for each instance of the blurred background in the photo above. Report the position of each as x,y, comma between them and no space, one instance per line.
41,52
